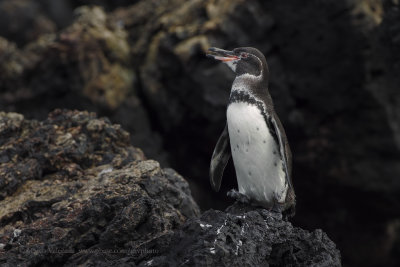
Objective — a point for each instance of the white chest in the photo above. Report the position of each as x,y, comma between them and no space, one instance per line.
255,154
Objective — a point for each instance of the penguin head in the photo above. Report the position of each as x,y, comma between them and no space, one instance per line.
242,60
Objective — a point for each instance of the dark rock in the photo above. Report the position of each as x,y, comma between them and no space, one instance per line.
384,66
384,81
86,66
73,182
91,54
242,236
107,4
23,21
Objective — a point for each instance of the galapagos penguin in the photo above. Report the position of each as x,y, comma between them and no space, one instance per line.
253,135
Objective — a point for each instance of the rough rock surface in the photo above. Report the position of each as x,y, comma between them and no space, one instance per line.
74,192
73,182
242,236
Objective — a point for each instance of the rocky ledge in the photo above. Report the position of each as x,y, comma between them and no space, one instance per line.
73,191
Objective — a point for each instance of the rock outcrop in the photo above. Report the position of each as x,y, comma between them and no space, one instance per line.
73,182
74,192
86,66
247,237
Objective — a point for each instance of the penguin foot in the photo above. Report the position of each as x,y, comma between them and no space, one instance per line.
276,208
238,196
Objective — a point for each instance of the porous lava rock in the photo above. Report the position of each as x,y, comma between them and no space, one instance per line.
73,184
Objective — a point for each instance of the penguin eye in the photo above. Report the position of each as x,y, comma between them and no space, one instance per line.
243,55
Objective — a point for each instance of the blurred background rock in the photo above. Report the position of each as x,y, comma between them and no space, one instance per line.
335,81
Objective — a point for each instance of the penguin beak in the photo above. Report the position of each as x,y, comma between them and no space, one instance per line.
221,55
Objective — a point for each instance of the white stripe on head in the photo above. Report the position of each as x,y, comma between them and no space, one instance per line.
256,77
232,64
239,84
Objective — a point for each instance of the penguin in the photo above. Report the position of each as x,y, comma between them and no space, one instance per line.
253,136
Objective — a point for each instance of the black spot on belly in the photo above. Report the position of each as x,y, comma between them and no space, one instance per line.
274,152
250,173
248,143
238,131
275,164
264,141
258,128
237,146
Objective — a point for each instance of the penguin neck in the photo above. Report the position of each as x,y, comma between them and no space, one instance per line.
253,85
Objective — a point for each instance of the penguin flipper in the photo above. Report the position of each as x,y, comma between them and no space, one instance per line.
219,159
284,149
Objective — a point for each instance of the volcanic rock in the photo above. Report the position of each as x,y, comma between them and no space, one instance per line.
86,66
73,183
